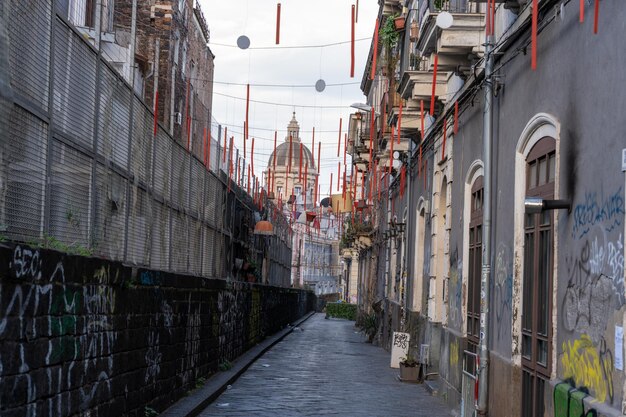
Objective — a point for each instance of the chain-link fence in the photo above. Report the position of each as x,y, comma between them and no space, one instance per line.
85,167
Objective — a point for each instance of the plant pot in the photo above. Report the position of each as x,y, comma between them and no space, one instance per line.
398,22
410,373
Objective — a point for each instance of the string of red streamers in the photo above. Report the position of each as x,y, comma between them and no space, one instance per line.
352,21
375,54
319,150
277,23
432,96
582,11
274,162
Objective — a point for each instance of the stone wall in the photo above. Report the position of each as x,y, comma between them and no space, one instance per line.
84,335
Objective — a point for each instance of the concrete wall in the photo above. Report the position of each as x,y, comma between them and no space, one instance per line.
83,335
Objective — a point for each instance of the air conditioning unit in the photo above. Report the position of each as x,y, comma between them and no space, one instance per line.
179,118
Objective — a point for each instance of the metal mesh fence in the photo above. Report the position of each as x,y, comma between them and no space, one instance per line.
82,169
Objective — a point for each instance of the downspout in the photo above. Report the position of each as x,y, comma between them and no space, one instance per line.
406,234
483,365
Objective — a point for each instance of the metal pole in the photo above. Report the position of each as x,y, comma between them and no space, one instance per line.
406,231
483,369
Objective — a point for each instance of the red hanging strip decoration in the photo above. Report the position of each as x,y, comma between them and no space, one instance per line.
277,23
445,134
422,119
252,157
230,163
343,194
400,121
533,47
456,117
432,95
339,140
402,181
493,17
156,112
300,165
338,176
581,19
290,153
315,191
375,54
596,15
393,134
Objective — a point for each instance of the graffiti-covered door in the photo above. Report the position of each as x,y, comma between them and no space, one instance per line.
537,284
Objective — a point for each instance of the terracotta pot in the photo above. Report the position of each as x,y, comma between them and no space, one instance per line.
399,22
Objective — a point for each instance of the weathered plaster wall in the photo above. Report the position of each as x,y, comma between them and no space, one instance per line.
82,335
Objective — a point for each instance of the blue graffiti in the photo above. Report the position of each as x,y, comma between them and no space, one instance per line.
150,278
598,209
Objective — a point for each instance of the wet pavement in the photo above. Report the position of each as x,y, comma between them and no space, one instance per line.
324,368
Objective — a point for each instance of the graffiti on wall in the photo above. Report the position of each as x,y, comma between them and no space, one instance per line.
589,367
598,209
503,288
569,401
455,286
595,268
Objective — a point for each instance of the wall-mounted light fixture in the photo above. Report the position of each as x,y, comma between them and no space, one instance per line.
534,205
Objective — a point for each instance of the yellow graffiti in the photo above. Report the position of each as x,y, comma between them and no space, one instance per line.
454,353
587,368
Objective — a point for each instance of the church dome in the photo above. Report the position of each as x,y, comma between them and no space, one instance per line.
282,150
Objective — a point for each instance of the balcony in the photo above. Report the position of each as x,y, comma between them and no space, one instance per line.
458,45
418,85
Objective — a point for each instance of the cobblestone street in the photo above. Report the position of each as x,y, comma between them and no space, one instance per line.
327,368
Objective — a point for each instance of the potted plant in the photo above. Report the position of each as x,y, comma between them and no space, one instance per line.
410,369
398,22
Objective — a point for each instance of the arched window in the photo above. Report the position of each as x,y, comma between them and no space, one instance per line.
537,279
475,238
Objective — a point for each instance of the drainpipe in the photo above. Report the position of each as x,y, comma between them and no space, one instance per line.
406,233
483,366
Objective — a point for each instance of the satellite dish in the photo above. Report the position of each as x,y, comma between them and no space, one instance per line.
243,42
444,20
320,85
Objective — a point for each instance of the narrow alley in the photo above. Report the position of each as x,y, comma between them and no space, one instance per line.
325,367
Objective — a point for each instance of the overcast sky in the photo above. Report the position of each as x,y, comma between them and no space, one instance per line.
303,23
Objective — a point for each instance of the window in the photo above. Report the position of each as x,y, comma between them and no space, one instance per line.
475,263
297,190
279,190
537,280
